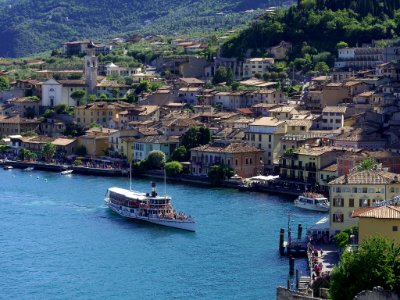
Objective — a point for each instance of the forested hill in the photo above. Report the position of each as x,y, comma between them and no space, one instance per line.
321,24
29,26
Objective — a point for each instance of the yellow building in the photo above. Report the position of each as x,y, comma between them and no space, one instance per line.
103,113
96,141
309,165
359,189
127,147
383,221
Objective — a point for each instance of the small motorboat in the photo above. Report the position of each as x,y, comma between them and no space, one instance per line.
8,167
28,169
66,172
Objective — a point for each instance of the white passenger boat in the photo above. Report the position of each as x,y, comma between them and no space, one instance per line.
66,172
28,169
149,207
312,201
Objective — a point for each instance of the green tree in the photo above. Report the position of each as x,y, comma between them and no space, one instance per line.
143,87
218,173
321,67
77,162
132,98
156,159
29,133
81,150
173,168
375,263
204,135
220,76
196,136
94,125
180,154
4,148
78,95
342,45
49,149
4,83
367,164
26,154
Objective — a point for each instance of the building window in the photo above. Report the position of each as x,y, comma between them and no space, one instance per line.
395,228
337,218
364,202
338,202
351,202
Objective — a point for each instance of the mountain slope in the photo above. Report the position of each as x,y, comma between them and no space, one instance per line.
321,24
29,26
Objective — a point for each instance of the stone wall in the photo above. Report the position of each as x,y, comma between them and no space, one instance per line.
378,293
283,293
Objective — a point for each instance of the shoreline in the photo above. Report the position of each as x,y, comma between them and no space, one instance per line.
184,178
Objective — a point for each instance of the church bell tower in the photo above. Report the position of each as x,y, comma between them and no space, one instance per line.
91,65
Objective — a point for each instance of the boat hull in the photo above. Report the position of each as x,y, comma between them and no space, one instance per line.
312,207
124,212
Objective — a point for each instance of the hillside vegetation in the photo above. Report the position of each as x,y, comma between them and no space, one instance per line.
317,26
31,26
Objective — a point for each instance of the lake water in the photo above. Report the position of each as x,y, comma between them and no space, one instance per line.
59,241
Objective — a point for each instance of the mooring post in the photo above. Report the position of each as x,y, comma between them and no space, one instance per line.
299,231
291,265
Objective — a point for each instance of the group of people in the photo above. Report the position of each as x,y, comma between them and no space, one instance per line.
315,265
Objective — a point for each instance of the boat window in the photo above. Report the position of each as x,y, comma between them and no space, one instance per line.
309,201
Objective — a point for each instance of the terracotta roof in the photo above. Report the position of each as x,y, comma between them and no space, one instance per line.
231,148
367,177
267,121
315,151
63,142
190,80
283,109
359,134
72,82
158,139
300,122
182,122
245,111
331,168
17,120
339,109
381,212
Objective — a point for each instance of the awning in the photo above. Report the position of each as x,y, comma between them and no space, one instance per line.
264,178
321,225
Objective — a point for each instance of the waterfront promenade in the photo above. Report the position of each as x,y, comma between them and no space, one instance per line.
321,259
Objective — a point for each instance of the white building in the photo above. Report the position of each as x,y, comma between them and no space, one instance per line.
55,92
333,117
113,69
252,66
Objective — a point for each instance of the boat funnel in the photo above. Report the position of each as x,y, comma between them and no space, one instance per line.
153,189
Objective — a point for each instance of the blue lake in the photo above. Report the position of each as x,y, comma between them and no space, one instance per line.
59,241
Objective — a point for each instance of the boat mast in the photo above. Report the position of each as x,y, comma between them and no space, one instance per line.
165,182
130,176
